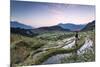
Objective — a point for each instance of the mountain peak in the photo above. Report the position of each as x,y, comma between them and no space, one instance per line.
71,26
16,24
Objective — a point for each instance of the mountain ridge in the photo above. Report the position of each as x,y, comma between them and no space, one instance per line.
16,24
89,26
72,27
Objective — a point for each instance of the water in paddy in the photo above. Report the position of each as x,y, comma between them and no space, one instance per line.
56,59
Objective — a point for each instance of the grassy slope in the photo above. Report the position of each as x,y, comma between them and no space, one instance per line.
22,46
42,56
39,42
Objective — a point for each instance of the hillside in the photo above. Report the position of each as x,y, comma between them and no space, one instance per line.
89,26
16,24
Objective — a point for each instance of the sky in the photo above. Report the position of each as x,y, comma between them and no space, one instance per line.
39,14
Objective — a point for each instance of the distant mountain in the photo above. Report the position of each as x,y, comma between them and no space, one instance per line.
15,24
89,26
49,29
19,28
24,32
22,29
72,27
53,28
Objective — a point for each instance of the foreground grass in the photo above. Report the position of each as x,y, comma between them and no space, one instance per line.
22,48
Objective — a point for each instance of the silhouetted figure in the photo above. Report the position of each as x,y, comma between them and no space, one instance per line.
76,38
76,35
